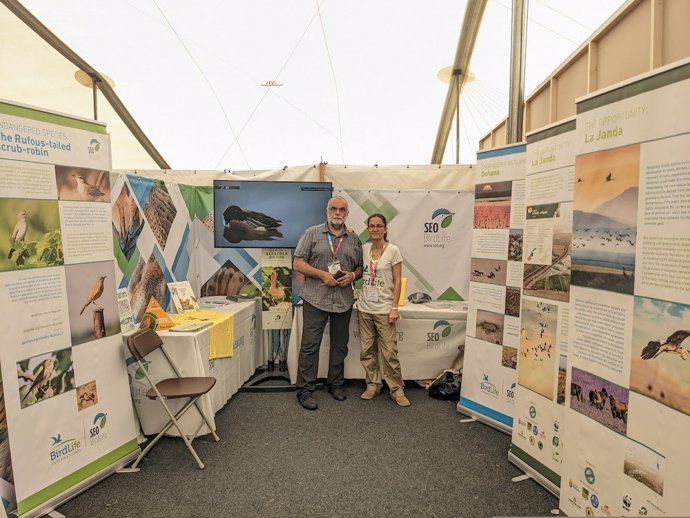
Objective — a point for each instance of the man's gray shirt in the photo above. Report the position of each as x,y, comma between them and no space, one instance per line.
313,247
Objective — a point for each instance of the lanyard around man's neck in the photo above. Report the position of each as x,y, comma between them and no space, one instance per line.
334,251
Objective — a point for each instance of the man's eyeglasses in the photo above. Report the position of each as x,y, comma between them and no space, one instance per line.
377,227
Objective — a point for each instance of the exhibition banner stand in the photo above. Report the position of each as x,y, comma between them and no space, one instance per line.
493,319
67,416
628,410
536,446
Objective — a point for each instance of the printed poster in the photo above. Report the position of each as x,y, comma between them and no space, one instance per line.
65,390
630,302
276,288
536,444
493,317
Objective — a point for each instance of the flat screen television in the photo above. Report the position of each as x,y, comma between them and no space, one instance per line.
249,214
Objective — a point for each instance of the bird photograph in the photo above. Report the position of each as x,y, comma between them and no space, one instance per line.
92,301
672,344
146,281
160,211
44,376
30,235
19,232
79,184
248,225
660,355
95,292
276,286
229,280
127,222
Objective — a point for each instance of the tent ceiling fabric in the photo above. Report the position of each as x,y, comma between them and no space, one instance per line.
36,74
259,85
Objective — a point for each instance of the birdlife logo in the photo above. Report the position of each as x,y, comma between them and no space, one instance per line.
487,387
436,233
62,449
94,428
435,338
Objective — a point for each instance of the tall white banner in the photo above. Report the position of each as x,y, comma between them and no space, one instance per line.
536,445
493,317
67,415
628,411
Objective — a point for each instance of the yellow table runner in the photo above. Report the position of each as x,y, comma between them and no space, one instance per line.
220,334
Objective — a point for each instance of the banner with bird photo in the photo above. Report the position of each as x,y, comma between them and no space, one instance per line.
61,353
629,346
495,278
540,358
276,288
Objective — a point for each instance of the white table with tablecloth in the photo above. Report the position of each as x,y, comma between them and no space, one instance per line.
431,339
190,352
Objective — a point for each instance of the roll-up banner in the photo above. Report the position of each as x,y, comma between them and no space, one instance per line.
67,416
627,413
536,446
493,318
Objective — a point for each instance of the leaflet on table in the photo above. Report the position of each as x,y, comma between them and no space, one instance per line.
189,327
182,296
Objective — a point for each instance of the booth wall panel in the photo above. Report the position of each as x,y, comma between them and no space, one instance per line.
571,84
624,49
539,109
675,36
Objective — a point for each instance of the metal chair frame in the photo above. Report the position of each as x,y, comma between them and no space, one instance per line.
156,393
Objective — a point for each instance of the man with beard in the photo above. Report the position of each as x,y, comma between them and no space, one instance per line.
330,258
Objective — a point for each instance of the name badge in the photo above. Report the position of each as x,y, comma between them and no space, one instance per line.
334,267
372,294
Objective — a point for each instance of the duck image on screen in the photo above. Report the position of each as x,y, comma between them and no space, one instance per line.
262,214
247,225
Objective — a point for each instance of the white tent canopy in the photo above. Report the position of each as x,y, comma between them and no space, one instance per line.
259,85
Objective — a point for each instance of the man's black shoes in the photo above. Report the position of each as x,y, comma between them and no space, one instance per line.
306,399
338,393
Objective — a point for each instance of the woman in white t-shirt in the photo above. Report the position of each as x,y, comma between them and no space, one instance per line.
377,308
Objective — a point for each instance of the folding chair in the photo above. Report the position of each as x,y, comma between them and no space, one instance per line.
142,343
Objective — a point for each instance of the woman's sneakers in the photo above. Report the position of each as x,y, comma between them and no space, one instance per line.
399,397
370,392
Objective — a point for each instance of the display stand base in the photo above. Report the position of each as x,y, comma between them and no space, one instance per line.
259,382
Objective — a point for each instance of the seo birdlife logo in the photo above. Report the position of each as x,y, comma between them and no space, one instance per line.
440,331
62,449
94,146
510,394
436,233
94,427
487,387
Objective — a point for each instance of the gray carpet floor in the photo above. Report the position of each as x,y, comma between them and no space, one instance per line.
352,458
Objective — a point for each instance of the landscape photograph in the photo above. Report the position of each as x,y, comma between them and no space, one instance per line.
537,354
599,399
605,219
492,203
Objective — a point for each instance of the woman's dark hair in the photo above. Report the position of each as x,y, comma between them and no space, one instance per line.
382,218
